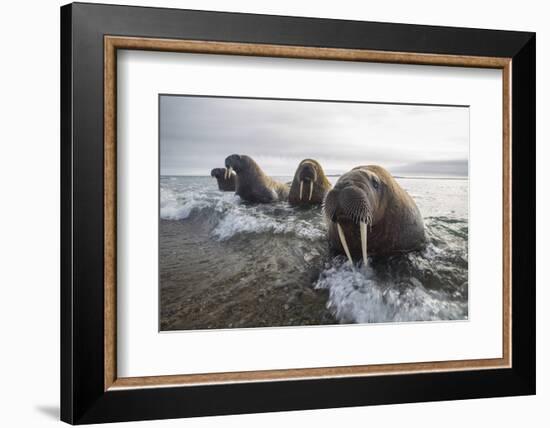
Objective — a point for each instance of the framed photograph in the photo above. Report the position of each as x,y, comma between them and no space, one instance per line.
266,213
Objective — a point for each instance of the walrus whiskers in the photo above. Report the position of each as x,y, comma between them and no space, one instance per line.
363,228
301,188
344,243
310,190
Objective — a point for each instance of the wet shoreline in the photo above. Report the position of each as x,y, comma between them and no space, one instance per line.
206,296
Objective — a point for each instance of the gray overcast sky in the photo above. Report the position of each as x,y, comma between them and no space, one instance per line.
197,133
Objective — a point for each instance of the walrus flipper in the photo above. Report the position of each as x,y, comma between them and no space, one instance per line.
282,191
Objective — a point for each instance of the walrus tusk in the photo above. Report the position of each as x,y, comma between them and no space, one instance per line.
310,190
225,174
228,172
301,188
363,228
343,242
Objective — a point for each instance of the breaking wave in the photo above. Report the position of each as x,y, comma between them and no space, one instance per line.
234,223
179,207
232,217
427,285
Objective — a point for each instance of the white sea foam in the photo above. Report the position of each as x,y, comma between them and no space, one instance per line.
175,206
238,218
239,221
178,205
232,216
359,296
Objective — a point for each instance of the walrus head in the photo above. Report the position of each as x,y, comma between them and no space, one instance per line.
240,164
309,185
307,172
235,163
218,173
355,204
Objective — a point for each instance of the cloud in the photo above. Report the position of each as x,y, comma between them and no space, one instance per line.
197,133
450,168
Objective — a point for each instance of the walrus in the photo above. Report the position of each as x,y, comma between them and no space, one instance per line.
226,181
309,185
252,184
369,213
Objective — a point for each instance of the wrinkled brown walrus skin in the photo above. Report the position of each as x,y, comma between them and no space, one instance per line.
369,194
309,185
252,184
225,183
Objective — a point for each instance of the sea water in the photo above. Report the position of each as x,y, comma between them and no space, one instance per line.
225,263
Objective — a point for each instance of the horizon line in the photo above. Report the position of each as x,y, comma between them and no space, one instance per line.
419,177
